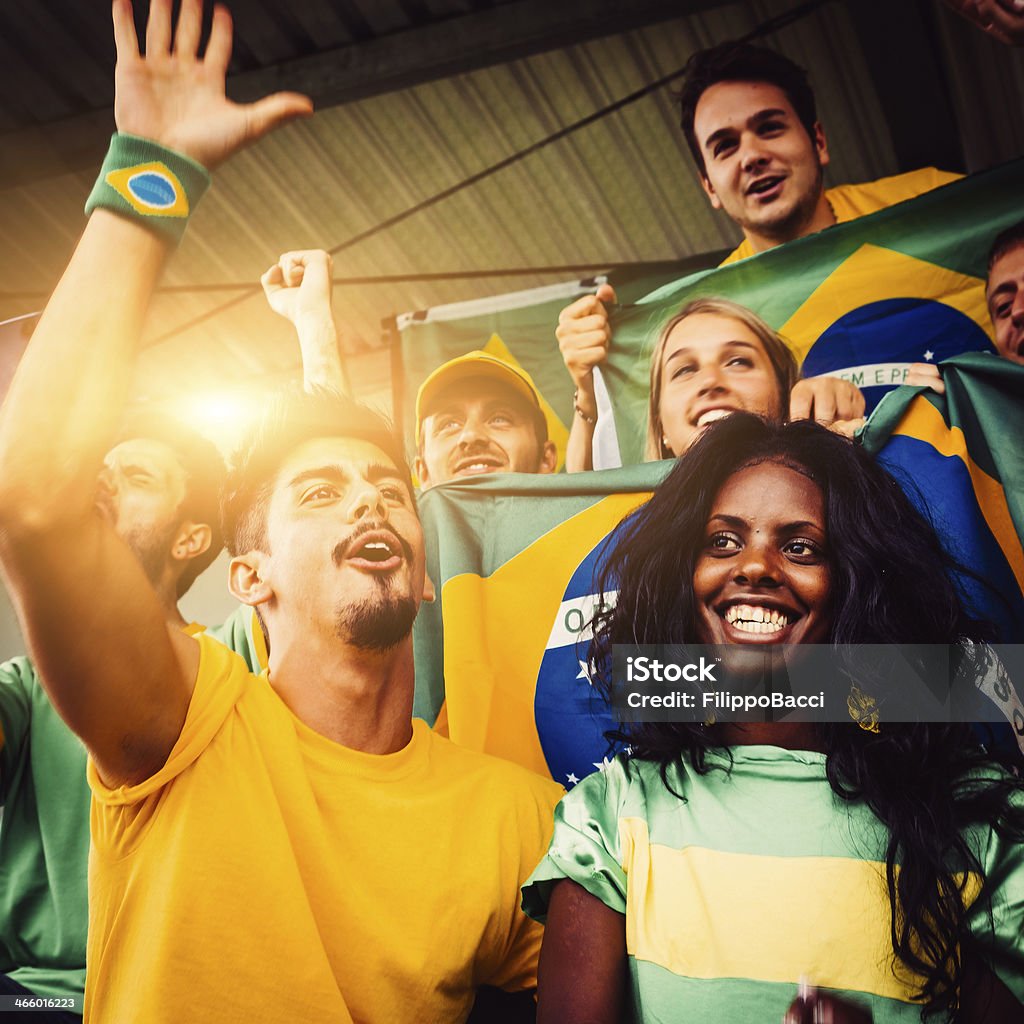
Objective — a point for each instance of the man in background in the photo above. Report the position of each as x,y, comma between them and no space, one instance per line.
1004,292
159,490
750,119
478,414
1004,296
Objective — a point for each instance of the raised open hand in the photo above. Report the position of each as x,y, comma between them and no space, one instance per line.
1001,19
175,97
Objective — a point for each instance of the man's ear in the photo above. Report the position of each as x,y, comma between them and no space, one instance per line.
709,191
429,594
193,540
245,579
821,144
419,470
549,458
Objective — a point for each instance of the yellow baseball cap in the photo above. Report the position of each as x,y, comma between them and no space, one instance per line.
473,364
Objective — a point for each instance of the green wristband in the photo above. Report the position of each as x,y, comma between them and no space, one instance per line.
148,183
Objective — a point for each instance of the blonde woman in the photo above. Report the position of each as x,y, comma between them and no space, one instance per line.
712,358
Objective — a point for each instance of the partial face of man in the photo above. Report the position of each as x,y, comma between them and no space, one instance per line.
761,166
140,490
1005,295
480,425
346,548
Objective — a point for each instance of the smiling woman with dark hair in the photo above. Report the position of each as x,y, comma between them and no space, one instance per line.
704,875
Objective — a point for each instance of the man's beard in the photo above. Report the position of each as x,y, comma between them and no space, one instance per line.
790,225
151,547
382,621
379,623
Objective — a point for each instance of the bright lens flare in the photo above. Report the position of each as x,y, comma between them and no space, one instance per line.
223,416
215,409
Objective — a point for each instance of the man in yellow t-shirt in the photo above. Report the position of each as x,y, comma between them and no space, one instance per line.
750,120
289,846
749,117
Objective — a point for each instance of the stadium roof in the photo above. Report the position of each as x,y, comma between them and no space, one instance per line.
447,159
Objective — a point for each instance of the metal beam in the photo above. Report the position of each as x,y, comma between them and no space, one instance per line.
387,63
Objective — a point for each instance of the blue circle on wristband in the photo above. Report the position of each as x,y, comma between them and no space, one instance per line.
153,189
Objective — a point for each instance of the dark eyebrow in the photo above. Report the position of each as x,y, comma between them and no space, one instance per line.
326,472
375,472
755,119
508,404
722,133
800,524
738,523
735,521
684,350
1006,288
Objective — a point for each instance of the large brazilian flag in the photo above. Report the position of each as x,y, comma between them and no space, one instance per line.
501,656
860,300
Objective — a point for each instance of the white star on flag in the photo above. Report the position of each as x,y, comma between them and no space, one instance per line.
929,355
602,764
571,778
584,674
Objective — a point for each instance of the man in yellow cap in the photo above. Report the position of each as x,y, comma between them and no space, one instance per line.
478,414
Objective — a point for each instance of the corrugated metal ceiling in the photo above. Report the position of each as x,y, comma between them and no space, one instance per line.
621,189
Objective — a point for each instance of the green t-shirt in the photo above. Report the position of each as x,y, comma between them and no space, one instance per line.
44,840
760,877
241,633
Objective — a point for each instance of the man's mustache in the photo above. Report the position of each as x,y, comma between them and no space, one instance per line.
342,549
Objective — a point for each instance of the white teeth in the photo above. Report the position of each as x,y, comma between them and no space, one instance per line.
758,627
713,414
756,619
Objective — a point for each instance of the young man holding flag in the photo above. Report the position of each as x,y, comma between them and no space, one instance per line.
750,119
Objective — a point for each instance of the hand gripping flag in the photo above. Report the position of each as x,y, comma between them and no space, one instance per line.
960,459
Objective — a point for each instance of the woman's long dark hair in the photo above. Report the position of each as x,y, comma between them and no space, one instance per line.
890,584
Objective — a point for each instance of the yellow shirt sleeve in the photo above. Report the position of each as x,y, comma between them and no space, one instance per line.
120,814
